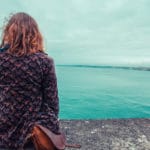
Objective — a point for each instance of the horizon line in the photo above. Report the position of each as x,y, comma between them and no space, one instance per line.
106,66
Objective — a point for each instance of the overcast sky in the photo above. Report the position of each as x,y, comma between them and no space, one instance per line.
97,32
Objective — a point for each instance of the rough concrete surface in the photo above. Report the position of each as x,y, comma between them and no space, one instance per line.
112,134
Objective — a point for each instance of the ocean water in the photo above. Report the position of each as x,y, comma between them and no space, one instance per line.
103,92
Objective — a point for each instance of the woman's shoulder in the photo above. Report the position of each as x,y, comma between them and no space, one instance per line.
43,55
45,58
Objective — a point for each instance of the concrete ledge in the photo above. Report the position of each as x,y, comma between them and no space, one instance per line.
112,134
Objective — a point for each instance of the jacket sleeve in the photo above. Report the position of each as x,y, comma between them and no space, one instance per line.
49,86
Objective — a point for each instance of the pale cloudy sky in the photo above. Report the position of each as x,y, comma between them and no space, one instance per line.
98,32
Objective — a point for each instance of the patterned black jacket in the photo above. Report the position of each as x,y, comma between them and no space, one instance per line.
28,95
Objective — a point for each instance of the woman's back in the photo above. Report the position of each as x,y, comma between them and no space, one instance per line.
28,95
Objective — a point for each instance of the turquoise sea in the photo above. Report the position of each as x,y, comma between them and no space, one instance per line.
102,92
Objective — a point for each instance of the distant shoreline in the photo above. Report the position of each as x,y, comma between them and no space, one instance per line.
108,67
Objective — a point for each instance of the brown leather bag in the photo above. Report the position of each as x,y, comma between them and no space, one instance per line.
44,139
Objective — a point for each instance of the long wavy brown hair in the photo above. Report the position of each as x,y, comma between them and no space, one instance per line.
22,34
